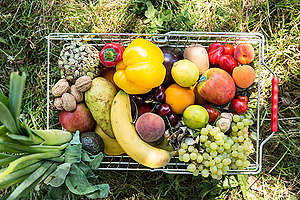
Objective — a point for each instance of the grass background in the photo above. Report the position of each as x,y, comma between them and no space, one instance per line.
25,23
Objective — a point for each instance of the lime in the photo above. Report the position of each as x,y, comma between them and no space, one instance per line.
195,116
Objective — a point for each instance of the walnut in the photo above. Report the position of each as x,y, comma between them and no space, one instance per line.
83,83
223,124
227,116
58,104
61,87
77,94
68,102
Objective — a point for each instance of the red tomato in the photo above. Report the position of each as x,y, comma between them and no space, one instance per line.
227,63
213,114
228,49
215,51
239,106
243,98
215,47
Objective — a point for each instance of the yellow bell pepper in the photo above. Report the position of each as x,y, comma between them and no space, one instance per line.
141,69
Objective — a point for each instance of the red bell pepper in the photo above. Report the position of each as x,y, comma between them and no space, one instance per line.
111,54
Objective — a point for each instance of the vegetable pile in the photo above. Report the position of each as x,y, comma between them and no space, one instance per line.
54,157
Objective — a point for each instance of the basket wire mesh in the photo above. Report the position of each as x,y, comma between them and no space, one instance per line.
181,40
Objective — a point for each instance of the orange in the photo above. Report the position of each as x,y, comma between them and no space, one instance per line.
179,98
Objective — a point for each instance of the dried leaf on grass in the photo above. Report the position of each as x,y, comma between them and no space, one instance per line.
247,193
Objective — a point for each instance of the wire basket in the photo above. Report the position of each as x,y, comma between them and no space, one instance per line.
180,40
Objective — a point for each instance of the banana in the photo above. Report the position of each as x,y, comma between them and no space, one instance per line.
128,138
111,146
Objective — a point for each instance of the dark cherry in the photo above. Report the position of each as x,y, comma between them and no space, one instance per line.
144,109
137,100
149,98
173,118
164,109
160,94
161,88
133,108
156,108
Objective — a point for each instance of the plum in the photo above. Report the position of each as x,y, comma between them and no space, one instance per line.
150,127
171,55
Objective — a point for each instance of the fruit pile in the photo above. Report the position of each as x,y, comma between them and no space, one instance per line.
153,103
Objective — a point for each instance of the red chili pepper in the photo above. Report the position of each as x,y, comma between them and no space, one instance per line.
111,54
274,116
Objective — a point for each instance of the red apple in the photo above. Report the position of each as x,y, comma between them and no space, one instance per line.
80,119
228,49
216,86
228,63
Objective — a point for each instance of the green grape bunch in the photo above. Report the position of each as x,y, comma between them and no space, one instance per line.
218,152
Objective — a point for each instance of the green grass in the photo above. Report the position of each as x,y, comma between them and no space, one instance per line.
23,48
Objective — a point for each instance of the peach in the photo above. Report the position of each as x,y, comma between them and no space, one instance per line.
244,53
243,76
150,127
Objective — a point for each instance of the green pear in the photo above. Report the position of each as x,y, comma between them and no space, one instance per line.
99,99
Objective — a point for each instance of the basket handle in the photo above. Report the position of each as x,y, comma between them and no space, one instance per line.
274,100
274,109
274,115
